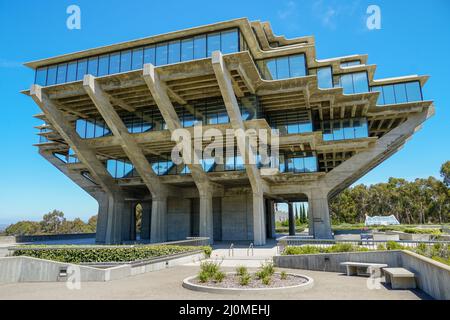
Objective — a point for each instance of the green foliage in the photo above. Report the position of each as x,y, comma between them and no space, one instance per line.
266,270
381,247
392,245
23,228
219,276
445,173
339,247
241,270
207,250
283,275
72,254
203,276
245,280
422,231
266,280
301,250
210,267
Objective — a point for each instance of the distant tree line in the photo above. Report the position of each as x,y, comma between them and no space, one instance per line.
418,202
52,223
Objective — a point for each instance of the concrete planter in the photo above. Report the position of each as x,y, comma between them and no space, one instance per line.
187,283
348,237
410,236
386,237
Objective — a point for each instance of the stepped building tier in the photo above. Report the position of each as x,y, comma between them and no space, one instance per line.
109,114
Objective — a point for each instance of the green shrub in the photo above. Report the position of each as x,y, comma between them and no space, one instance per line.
266,280
219,276
392,245
266,270
241,270
210,268
74,254
207,250
300,250
203,277
283,275
245,280
435,232
381,247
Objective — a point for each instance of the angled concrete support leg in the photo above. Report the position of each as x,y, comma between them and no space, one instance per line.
145,221
158,231
320,225
259,224
291,219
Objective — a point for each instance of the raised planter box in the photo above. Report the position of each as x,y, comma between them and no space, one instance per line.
386,237
410,236
347,237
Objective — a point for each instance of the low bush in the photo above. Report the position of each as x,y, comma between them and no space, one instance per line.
210,268
336,248
219,276
392,245
266,270
241,270
73,254
245,280
301,250
283,275
266,280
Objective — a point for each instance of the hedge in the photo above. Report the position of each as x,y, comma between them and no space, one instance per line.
108,254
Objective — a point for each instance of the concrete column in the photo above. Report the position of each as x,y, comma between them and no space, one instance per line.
259,225
102,219
291,219
206,216
320,226
146,220
158,231
109,220
273,233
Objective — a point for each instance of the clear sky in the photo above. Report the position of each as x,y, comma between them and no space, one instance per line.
414,39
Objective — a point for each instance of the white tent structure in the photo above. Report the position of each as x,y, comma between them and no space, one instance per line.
381,221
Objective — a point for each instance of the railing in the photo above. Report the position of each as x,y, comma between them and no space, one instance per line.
251,247
231,250
284,242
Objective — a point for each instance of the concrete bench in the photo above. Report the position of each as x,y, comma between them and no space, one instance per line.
362,268
400,278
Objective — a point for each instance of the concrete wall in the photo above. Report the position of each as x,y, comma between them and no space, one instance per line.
178,219
432,277
237,217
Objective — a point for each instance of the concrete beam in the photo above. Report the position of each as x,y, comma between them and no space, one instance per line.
134,153
84,153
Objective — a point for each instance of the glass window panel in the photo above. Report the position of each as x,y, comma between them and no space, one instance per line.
41,76
282,166
379,89
327,132
111,167
128,168
62,72
325,78
229,41
292,128
99,129
347,83
174,51
149,55
90,130
199,47
161,54
103,65
71,71
310,164
282,68
349,131
51,75
229,163
85,67
413,91
338,131
81,128
239,163
297,66
222,117
400,93
213,43
305,127
137,59
271,70
389,95
361,130
125,61
360,82
114,63
187,49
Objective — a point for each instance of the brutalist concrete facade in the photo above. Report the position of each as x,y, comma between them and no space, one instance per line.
109,114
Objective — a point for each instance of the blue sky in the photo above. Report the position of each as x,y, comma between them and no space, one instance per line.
414,39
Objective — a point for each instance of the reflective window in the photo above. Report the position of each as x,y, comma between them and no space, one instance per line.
200,47
125,61
62,73
344,129
229,41
93,66
325,78
350,63
301,162
187,49
283,67
51,75
114,63
137,59
399,93
41,76
174,51
354,83
103,65
71,72
213,43
149,55
120,169
161,54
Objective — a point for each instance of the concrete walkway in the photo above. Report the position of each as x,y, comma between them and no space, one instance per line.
166,284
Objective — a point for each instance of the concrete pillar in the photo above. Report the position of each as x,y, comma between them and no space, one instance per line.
291,219
206,216
320,225
110,220
102,219
273,234
259,225
145,220
158,231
